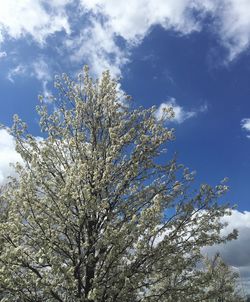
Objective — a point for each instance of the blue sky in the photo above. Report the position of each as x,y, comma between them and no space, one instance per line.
193,55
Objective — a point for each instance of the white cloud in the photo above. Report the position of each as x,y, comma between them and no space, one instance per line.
236,253
42,72
235,26
95,41
133,19
180,114
38,69
7,155
96,45
16,71
245,125
58,3
3,54
28,17
231,23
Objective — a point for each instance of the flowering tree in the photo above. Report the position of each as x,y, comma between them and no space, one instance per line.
96,213
223,282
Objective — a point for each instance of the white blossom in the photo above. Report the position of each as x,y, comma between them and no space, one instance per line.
83,220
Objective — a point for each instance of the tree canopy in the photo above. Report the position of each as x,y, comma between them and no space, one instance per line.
97,212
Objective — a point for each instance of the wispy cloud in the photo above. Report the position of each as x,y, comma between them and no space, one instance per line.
130,20
21,18
96,39
16,71
133,19
96,45
245,125
231,23
38,69
42,72
3,54
180,114
234,26
236,252
8,155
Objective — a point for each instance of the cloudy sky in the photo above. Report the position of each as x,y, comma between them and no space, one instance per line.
194,55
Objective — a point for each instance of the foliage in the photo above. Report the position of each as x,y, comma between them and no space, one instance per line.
96,212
